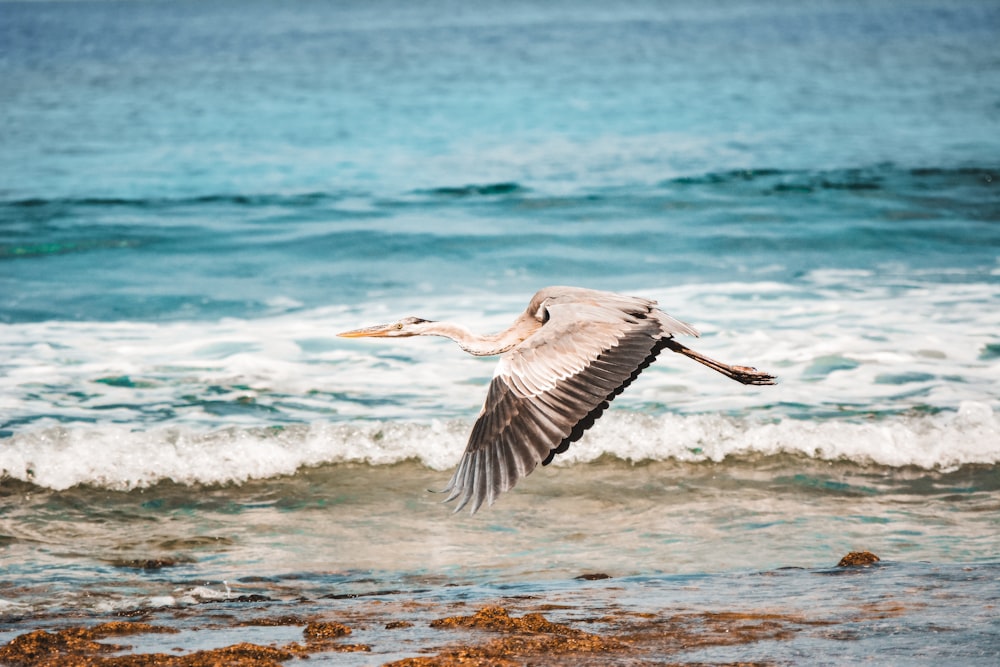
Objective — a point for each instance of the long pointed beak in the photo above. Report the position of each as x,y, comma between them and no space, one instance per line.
377,331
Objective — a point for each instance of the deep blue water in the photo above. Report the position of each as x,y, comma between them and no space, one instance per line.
211,256
179,160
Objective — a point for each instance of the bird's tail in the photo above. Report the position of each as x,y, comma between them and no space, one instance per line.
743,374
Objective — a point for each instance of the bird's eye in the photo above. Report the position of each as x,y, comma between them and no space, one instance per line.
399,325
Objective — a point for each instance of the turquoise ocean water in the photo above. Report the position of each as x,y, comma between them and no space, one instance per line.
196,197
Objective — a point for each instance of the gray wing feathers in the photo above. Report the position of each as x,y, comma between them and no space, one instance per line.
552,387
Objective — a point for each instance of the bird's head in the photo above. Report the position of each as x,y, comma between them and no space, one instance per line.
408,326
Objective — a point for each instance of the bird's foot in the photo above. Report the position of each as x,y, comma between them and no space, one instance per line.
750,375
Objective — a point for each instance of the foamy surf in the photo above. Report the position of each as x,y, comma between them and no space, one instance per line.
117,457
839,343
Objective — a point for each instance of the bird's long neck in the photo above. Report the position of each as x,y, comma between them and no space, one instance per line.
475,344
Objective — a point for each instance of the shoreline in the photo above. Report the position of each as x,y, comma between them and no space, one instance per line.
756,618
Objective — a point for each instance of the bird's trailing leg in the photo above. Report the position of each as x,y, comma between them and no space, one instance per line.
743,374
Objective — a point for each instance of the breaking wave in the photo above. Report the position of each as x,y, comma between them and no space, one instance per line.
117,457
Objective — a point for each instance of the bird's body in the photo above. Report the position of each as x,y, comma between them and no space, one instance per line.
561,362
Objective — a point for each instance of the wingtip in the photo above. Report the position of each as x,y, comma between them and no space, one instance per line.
466,498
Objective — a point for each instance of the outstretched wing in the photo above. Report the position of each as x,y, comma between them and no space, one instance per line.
551,388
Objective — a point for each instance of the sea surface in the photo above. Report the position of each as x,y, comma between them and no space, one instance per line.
196,197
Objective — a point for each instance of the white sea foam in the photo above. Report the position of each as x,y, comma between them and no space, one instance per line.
836,342
117,457
127,404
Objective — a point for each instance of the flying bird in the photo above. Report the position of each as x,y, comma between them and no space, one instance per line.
561,362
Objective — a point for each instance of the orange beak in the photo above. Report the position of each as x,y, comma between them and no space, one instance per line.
377,331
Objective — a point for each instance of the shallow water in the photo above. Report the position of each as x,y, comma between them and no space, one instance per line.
670,549
373,525
194,200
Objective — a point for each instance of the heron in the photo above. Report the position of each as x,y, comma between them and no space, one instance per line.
565,358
